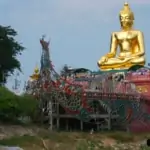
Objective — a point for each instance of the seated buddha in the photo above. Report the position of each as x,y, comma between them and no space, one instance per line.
129,41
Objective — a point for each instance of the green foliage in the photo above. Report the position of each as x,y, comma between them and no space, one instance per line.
19,140
135,67
9,49
64,70
27,105
13,107
120,137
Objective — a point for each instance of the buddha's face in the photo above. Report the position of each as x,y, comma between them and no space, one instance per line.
126,21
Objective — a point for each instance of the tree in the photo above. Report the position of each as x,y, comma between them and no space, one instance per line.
64,70
9,49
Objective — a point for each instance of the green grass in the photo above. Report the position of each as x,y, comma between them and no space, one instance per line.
19,140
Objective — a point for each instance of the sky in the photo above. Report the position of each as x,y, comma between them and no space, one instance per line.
79,29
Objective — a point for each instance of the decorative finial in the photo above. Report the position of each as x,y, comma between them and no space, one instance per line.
126,10
126,3
43,37
36,70
36,74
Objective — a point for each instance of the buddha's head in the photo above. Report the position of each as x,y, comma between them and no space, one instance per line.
126,17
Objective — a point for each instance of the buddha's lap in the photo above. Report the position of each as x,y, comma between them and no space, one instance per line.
113,62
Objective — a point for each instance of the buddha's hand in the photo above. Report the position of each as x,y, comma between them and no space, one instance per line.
121,58
104,59
110,55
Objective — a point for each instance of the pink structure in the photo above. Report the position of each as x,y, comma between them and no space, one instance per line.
141,79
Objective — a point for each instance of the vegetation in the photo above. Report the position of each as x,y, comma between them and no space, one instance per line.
64,70
13,107
9,49
75,141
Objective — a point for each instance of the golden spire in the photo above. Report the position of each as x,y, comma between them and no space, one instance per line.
36,70
36,74
126,10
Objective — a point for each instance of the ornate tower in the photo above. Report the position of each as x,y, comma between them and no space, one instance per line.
46,82
45,60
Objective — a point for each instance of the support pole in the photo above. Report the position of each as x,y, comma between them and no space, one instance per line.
58,119
109,121
50,115
67,127
81,125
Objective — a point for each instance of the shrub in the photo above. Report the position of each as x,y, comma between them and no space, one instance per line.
28,106
13,106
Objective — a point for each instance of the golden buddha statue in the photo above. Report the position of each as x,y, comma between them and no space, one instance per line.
130,43
36,74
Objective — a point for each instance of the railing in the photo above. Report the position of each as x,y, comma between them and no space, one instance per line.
138,77
113,96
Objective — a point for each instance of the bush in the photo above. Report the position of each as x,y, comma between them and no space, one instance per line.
28,106
13,107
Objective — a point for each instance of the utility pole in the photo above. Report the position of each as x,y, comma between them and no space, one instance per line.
17,83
